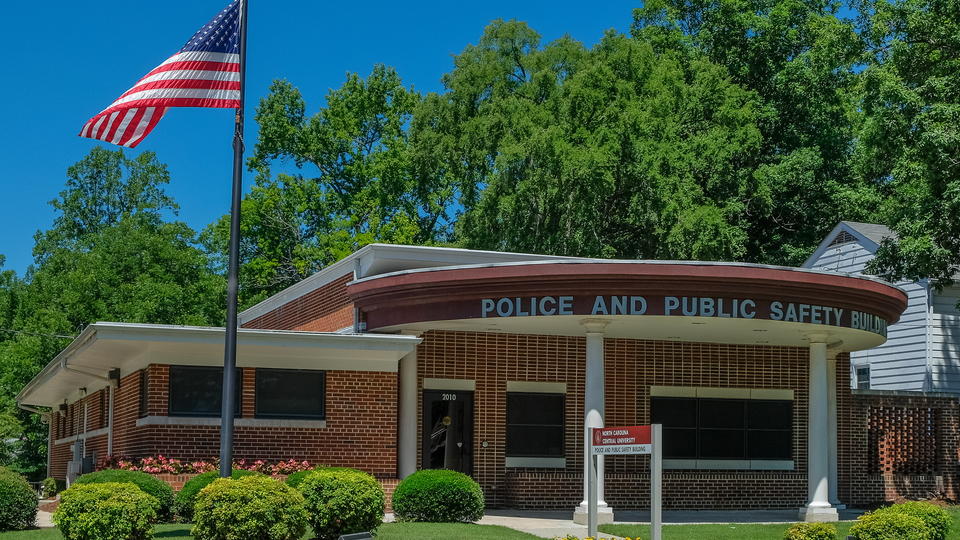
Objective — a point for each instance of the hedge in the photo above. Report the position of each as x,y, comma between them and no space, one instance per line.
18,502
438,496
106,511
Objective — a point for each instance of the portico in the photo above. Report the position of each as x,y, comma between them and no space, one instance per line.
699,303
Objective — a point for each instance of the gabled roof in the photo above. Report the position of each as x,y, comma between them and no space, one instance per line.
869,235
873,231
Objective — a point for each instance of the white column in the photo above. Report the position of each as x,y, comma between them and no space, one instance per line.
593,404
407,426
818,437
832,423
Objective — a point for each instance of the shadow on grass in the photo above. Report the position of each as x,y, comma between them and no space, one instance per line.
180,532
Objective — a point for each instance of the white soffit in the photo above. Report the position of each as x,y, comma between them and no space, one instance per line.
104,346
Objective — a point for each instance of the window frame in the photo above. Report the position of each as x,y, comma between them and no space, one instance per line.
746,429
287,416
238,406
562,426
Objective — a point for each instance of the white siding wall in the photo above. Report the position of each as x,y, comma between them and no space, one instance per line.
901,362
945,341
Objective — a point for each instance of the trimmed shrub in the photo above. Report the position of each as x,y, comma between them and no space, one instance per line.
254,507
149,484
342,501
187,496
438,496
934,517
106,511
811,531
52,486
18,502
889,526
295,479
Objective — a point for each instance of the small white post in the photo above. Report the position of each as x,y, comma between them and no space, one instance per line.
592,491
656,481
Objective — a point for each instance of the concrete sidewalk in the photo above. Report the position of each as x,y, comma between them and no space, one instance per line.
552,524
545,524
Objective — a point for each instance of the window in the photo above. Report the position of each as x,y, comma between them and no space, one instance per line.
197,391
863,377
291,393
742,429
144,380
535,424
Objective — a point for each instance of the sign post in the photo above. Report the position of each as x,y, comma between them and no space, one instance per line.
626,440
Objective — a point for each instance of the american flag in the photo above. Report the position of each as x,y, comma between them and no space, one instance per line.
204,73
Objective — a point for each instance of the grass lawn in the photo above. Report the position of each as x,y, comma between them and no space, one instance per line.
388,531
738,531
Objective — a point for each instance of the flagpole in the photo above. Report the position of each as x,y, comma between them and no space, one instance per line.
228,400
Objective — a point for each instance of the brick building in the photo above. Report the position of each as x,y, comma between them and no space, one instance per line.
398,358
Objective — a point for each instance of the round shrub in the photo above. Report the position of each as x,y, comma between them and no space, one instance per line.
52,486
438,496
889,526
934,517
151,485
18,502
342,501
254,507
187,496
811,531
106,511
295,479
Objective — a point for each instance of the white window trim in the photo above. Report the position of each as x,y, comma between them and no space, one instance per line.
449,384
536,462
237,422
730,464
534,387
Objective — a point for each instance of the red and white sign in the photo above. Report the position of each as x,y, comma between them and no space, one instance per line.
623,440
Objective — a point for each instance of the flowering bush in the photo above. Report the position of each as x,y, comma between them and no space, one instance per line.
164,465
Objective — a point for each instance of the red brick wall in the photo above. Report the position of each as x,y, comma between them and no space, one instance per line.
326,309
631,367
891,457
360,431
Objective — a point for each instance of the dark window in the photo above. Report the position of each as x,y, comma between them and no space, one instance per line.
863,377
535,424
144,381
196,391
291,393
724,428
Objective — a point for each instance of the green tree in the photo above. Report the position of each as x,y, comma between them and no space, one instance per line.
353,183
618,151
910,138
109,256
802,60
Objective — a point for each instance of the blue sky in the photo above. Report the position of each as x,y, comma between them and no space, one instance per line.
65,61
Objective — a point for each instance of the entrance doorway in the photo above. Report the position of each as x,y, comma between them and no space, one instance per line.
448,430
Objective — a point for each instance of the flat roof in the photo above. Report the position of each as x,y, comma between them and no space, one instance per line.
103,346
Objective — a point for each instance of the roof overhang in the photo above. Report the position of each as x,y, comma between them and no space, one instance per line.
84,365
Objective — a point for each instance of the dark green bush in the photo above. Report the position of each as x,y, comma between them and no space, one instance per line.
253,507
342,501
936,519
438,496
149,484
811,531
295,479
889,526
52,486
186,497
106,511
18,502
